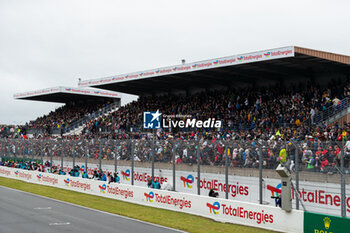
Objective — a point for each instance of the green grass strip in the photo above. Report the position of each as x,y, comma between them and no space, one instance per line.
173,219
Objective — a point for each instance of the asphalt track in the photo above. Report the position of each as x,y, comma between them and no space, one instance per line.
22,212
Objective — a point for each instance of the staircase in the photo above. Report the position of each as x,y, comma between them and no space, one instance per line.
333,113
77,127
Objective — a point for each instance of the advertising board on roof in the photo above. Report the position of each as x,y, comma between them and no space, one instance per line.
196,66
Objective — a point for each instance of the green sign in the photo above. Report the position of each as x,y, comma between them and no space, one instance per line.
320,223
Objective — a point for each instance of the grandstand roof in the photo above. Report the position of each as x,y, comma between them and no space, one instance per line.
273,64
68,94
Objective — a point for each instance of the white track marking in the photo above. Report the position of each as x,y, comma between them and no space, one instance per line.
59,223
42,208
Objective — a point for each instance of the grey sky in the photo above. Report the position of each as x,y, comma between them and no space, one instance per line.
52,43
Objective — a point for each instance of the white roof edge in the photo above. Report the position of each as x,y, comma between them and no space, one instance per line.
73,90
261,55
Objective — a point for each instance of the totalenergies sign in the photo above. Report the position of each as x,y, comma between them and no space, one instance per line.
168,200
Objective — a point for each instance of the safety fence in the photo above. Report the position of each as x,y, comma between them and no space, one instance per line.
237,170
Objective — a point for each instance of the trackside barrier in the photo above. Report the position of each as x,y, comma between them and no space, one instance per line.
222,210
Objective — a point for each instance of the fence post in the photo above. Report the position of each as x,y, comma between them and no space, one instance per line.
116,158
86,154
153,152
342,174
62,154
15,151
51,154
260,176
132,162
100,156
174,171
73,155
297,174
198,170
226,171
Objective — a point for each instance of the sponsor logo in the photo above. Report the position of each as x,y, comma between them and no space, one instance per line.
157,71
126,193
39,177
216,62
241,212
68,89
149,196
194,66
16,173
240,58
97,92
152,120
102,188
275,191
214,208
126,175
141,74
66,182
175,68
143,177
168,200
187,181
327,222
5,172
234,189
267,54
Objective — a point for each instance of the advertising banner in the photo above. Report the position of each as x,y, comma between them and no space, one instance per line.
321,223
218,209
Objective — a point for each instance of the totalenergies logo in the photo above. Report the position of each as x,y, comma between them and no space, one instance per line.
188,181
97,92
126,174
240,58
103,188
194,66
214,208
141,74
149,196
175,68
68,89
267,54
216,62
39,177
16,173
275,191
66,182
126,76
157,71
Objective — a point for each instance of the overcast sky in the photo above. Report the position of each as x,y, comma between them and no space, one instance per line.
53,43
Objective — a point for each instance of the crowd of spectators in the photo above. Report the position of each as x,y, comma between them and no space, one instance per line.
62,117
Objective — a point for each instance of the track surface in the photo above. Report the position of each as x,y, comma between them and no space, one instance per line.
23,212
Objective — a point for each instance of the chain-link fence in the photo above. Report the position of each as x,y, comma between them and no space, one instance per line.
238,170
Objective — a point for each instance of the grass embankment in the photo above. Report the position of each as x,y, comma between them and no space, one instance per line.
185,222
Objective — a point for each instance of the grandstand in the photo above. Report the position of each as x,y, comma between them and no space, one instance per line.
270,89
80,106
287,105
